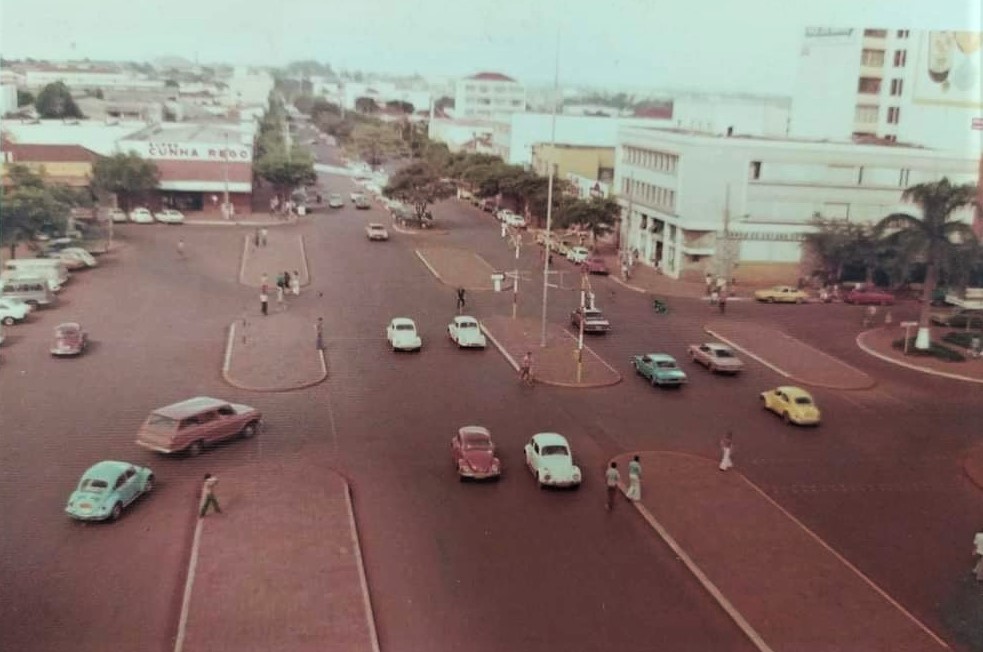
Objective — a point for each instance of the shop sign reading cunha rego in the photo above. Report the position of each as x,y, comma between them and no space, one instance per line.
191,151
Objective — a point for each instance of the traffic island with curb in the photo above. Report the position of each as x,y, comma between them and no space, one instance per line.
556,363
283,252
878,343
461,268
275,353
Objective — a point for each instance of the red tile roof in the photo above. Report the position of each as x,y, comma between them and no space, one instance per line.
204,171
491,76
24,153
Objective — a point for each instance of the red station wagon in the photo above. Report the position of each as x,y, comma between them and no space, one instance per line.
195,423
869,296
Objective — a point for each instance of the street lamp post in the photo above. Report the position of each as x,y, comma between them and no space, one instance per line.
583,316
549,192
517,237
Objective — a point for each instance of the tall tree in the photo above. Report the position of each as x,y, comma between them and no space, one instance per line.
419,185
366,105
55,101
31,205
128,176
596,215
287,173
933,235
375,143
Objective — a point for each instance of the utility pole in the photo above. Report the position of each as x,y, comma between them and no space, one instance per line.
517,238
583,318
549,193
226,208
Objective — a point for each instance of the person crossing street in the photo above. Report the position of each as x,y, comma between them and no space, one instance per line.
208,498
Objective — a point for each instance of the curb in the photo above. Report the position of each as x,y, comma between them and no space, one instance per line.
429,266
399,229
291,221
784,373
245,256
974,479
357,547
230,343
913,367
188,586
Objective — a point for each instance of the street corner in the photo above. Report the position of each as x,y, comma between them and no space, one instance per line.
879,342
457,267
273,353
304,586
268,253
554,364
788,356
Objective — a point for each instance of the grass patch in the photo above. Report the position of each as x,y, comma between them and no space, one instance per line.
935,350
961,338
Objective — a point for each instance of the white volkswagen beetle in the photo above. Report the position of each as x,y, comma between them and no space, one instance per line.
466,333
402,335
549,459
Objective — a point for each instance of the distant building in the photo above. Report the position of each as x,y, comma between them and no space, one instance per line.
247,86
595,163
69,165
463,135
99,136
488,94
693,203
83,76
901,85
8,98
716,114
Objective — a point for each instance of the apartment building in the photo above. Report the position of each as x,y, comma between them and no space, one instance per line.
693,203
595,163
488,94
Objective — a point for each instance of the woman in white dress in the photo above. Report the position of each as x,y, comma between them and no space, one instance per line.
295,284
634,479
726,450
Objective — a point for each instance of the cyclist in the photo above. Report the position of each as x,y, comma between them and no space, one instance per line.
525,368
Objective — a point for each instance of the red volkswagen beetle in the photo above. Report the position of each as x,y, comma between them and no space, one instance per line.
70,339
869,296
474,454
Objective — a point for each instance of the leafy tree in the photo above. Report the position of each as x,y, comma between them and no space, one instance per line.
303,103
399,105
419,185
934,236
55,101
24,98
127,176
366,105
286,173
444,102
375,143
98,94
597,215
31,206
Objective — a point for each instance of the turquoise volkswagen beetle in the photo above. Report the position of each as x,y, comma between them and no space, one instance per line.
659,369
106,488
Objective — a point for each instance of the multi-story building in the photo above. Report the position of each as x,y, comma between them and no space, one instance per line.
488,94
694,203
903,85
596,163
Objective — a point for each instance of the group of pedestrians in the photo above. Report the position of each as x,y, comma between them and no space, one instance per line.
286,283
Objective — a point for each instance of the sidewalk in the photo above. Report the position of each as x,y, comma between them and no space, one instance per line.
252,219
275,353
554,364
280,568
783,585
284,252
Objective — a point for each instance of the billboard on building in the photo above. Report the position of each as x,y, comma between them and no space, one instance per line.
948,69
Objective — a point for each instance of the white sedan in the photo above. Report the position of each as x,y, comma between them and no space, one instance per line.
117,215
141,216
402,335
170,216
549,459
466,333
13,310
578,255
516,221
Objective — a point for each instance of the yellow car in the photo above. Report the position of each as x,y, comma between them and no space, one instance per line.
781,294
792,404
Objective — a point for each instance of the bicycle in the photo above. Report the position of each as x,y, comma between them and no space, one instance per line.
660,307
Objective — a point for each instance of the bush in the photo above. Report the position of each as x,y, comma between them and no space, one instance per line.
960,338
935,350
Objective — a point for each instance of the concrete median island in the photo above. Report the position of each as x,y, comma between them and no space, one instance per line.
457,267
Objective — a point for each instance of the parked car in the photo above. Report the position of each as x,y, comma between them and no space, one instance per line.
550,461
959,318
515,221
659,369
781,294
13,310
473,453
195,423
596,265
402,336
376,231
578,255
75,258
107,488
34,292
141,216
869,296
117,215
718,358
70,339
170,216
466,333
593,319
335,200
792,404
487,205
362,202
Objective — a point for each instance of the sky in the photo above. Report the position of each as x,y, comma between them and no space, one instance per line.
711,45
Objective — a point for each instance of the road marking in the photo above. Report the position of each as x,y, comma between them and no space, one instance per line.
188,585
245,257
591,351
923,370
366,599
427,263
748,353
228,349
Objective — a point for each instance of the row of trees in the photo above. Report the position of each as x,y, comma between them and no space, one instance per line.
277,160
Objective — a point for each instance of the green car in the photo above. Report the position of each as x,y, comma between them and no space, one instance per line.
659,369
106,488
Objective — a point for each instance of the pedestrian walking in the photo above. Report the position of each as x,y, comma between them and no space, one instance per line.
319,332
264,300
208,498
256,238
634,479
286,281
263,235
708,279
869,315
612,478
180,247
280,280
726,451
461,301
295,283
525,368
722,303
978,551
280,304
714,297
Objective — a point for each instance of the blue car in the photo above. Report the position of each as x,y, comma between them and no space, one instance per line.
106,488
659,369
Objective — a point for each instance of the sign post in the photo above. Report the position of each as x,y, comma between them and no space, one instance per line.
907,325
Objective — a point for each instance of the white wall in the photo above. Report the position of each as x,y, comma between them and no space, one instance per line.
8,98
714,114
825,97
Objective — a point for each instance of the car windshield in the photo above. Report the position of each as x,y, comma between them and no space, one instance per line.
594,314
722,353
404,327
160,421
477,443
555,449
665,364
803,400
93,485
467,324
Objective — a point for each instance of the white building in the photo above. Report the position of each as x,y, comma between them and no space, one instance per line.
463,135
249,87
8,98
99,136
694,202
910,86
86,75
715,114
488,94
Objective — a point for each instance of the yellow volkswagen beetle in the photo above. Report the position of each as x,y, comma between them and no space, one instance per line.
781,294
792,404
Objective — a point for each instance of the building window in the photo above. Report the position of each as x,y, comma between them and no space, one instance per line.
872,58
900,57
897,87
755,170
869,85
644,223
891,138
903,179
893,115
876,33
903,33
865,114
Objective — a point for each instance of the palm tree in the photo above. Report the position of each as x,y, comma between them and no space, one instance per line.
932,235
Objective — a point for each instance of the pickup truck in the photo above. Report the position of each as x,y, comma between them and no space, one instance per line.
594,320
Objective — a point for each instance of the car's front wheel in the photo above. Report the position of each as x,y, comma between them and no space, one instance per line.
196,447
540,481
249,430
8,321
148,484
117,511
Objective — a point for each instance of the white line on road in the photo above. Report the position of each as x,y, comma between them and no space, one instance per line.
188,586
429,266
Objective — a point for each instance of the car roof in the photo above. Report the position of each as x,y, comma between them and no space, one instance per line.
376,225
68,326
716,345
402,320
189,407
463,318
660,356
550,439
791,390
474,430
106,470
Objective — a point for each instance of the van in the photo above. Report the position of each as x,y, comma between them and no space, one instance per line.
49,274
32,264
34,291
